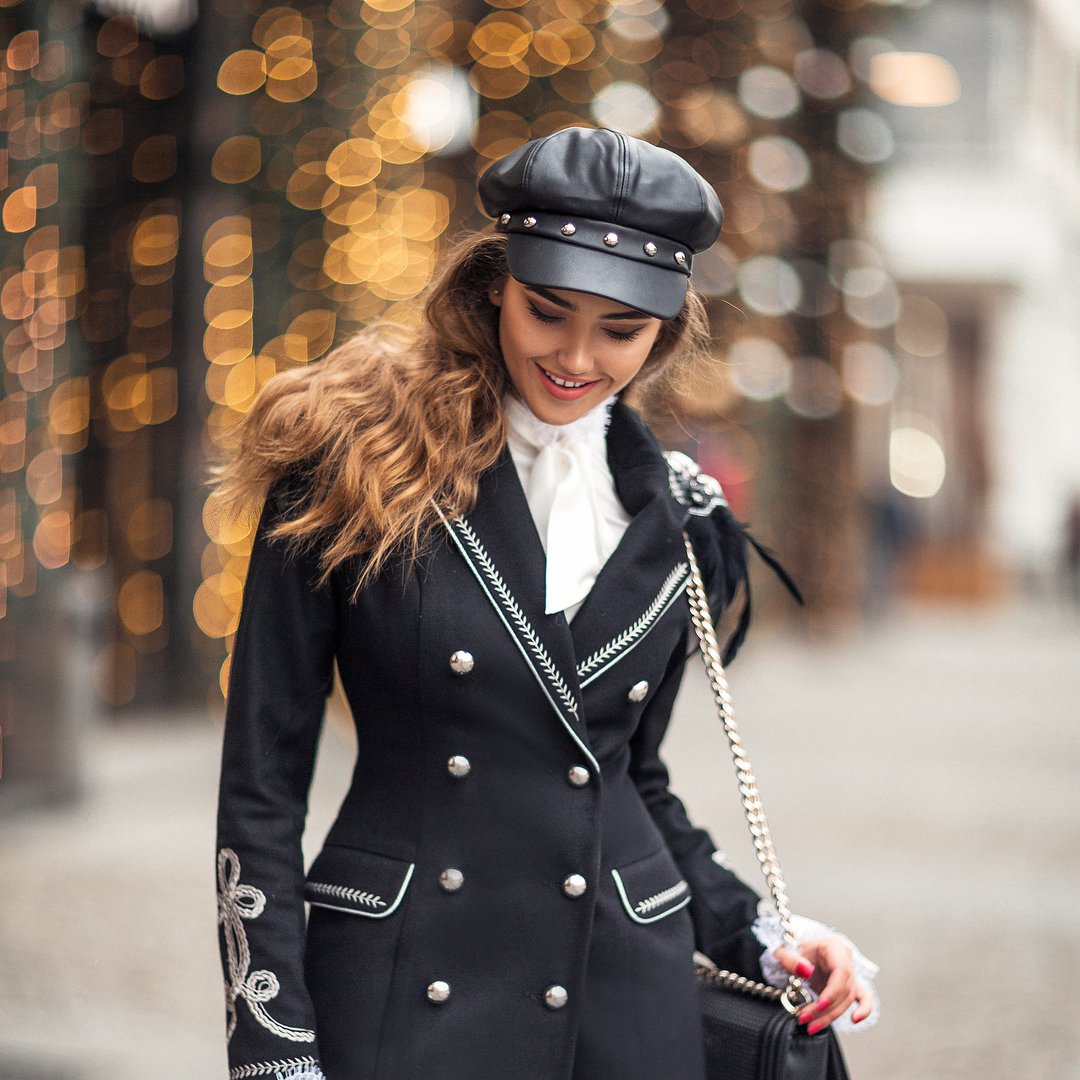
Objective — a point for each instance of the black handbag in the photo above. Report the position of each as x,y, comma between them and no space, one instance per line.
750,1028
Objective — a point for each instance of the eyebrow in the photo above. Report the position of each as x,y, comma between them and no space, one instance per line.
548,295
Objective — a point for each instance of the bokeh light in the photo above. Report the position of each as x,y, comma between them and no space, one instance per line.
869,372
760,369
768,92
914,79
173,243
916,462
864,136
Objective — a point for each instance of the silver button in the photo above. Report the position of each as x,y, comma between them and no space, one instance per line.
578,775
638,691
458,765
461,661
529,222
650,249
555,996
611,239
574,885
568,229
438,991
451,880
504,219
680,257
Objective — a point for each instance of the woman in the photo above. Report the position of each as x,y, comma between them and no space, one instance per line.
490,545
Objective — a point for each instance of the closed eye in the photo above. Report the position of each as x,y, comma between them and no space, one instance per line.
623,335
614,335
543,316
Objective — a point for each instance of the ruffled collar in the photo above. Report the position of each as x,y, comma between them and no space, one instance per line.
533,431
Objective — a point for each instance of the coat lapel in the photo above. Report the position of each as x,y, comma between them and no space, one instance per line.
648,572
499,541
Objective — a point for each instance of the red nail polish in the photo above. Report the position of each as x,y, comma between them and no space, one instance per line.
814,1028
804,969
823,1004
857,1019
806,1017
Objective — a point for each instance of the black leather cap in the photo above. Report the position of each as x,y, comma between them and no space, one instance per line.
604,213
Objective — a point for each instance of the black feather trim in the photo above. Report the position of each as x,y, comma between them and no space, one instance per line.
721,544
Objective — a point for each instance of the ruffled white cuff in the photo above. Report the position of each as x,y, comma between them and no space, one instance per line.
767,930
300,1072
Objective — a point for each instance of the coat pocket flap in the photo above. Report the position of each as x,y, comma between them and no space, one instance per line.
651,888
356,881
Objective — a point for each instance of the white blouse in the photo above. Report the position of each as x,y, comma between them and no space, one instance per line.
568,485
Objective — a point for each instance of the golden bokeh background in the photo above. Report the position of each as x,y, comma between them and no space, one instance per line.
190,211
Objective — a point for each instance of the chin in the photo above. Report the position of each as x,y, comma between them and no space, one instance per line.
556,413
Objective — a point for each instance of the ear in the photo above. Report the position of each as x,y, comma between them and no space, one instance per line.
495,292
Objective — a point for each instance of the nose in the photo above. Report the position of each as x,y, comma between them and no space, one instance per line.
574,357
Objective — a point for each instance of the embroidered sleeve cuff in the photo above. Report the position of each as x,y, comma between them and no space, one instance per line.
305,1068
767,930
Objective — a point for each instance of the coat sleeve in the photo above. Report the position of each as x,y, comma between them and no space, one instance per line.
722,906
281,674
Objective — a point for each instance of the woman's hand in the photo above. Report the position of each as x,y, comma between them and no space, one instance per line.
826,964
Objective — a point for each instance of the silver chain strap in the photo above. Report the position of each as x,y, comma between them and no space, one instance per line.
748,789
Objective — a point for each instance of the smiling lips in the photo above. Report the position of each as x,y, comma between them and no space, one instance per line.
563,389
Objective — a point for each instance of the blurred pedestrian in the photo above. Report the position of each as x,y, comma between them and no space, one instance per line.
489,542
893,535
1072,550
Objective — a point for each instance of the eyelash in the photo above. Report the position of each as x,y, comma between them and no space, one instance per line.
542,317
615,335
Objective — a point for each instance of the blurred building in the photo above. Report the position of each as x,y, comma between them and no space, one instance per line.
978,217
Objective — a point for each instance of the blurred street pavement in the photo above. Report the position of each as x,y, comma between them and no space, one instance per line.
922,782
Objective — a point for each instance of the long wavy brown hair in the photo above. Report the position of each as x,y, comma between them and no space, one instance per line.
394,421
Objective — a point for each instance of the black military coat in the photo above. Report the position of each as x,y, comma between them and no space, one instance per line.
510,891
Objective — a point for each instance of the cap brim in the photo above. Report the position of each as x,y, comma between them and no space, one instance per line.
558,264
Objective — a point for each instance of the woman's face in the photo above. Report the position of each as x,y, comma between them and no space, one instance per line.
567,351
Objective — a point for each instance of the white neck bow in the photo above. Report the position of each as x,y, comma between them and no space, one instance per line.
568,487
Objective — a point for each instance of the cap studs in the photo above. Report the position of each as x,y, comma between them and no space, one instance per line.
504,219
568,229
680,257
529,222
650,249
611,239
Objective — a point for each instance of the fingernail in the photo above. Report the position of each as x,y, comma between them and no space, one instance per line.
804,969
857,1019
823,1004
806,1016
814,1028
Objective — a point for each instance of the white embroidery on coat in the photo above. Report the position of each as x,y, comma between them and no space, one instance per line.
630,637
567,722
651,903
301,1067
308,1072
699,492
681,889
536,646
237,902
342,893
